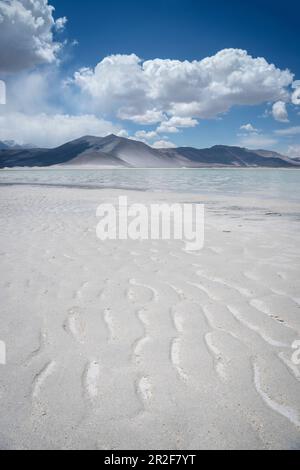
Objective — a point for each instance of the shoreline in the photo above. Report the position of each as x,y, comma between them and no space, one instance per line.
82,168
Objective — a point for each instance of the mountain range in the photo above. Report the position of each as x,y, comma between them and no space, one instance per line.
113,152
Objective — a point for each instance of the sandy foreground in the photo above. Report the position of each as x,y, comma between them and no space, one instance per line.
141,345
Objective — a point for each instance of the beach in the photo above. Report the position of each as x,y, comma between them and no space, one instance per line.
140,344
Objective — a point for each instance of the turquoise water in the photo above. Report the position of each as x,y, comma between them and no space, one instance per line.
262,183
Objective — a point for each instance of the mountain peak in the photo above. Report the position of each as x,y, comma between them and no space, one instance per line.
114,136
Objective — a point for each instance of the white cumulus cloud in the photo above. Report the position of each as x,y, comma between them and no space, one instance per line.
296,97
163,144
60,23
248,128
151,116
279,112
26,34
173,125
145,136
148,91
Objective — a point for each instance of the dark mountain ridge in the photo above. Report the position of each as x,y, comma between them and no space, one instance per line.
113,151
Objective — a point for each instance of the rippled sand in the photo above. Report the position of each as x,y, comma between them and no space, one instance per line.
141,345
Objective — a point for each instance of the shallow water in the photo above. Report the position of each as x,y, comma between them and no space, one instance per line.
260,183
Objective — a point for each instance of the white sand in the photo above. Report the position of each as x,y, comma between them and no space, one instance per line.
140,345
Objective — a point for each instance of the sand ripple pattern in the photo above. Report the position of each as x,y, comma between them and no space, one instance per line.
142,344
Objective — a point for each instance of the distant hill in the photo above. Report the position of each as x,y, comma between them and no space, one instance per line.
113,151
226,156
3,146
11,144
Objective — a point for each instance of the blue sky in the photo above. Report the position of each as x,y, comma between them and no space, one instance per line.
182,29
217,112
